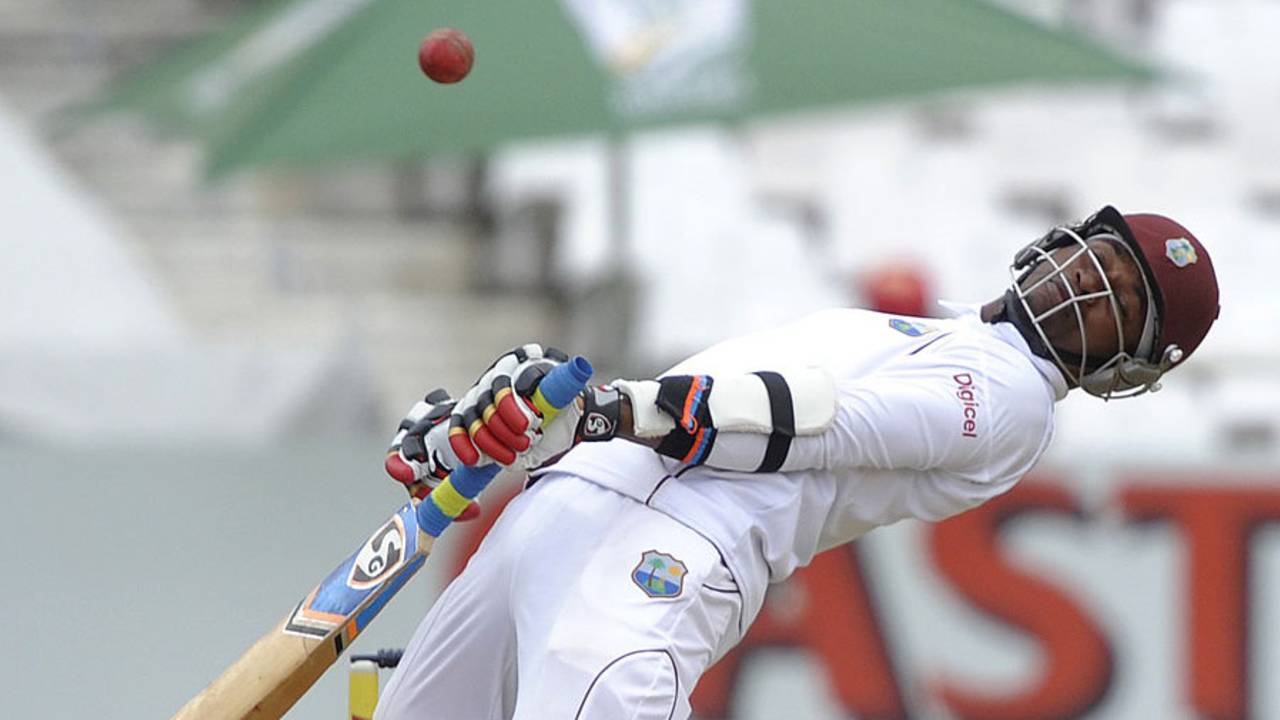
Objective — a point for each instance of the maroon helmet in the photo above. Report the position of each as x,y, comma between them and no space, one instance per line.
1186,289
1182,299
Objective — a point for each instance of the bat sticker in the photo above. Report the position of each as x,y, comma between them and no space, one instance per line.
380,557
369,571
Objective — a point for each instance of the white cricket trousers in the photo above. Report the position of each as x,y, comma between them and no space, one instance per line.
581,603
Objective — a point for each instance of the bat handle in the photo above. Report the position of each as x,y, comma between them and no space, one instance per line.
452,495
447,501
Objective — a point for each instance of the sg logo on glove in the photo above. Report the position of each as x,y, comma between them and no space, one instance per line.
596,425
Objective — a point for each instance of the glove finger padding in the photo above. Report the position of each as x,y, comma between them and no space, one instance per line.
419,456
460,421
494,418
480,433
413,456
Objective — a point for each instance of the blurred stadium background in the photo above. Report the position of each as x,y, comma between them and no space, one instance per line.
199,373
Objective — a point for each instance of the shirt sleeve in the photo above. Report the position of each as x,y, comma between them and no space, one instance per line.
980,420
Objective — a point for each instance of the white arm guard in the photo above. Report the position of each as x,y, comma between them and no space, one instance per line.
757,402
767,409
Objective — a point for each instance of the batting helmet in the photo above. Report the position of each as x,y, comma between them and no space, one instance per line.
1182,293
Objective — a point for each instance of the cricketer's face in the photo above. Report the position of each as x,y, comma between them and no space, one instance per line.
1067,292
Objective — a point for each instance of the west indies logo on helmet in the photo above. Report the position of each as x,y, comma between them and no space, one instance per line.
1182,299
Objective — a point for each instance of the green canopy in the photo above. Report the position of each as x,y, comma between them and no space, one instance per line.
309,81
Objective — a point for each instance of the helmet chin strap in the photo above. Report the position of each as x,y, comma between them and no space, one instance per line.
1012,312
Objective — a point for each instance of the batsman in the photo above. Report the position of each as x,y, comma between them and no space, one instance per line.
657,512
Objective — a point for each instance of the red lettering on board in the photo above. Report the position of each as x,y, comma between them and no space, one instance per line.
1078,664
1216,524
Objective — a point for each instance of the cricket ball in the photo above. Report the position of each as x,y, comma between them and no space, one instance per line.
446,55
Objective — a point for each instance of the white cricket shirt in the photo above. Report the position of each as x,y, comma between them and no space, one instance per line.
934,416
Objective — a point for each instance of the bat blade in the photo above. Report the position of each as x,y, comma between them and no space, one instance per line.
282,665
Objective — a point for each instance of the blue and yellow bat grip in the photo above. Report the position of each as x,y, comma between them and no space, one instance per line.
447,501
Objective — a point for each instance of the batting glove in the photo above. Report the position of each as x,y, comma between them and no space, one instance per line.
419,456
592,417
497,419
494,418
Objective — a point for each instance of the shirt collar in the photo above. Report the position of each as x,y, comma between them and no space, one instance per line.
1008,333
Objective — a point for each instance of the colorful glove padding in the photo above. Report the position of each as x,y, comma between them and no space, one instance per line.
419,456
592,417
497,418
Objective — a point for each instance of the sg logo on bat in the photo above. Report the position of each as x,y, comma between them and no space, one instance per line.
375,569
381,555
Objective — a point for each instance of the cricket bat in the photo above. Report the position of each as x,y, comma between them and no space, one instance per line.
281,666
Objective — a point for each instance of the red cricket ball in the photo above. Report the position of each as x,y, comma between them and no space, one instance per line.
446,55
